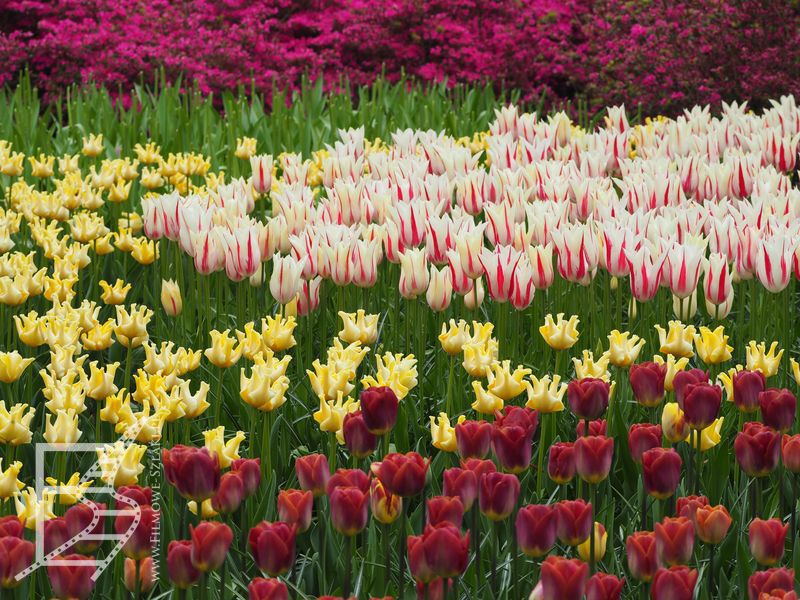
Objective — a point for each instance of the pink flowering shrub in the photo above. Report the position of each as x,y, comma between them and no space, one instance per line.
657,54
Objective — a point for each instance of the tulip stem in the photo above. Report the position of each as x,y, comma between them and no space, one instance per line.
592,491
699,457
348,565
497,538
137,580
793,483
222,577
711,582
401,558
644,509
387,558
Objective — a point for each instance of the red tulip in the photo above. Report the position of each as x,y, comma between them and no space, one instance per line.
348,478
249,469
473,439
379,407
267,589
357,437
462,483
55,534
675,583
78,518
767,538
661,468
435,590
778,578
272,546
790,452
701,403
140,542
563,578
561,462
441,551
588,397
147,576
479,467
139,495
683,379
295,507
687,506
349,510
497,495
778,595
596,427
641,438
182,573
10,526
230,494
647,382
574,521
385,507
604,587
536,527
757,449
593,457
313,473
674,540
712,523
512,438
640,548
194,472
445,509
403,474
71,582
16,555
747,385
778,408
210,543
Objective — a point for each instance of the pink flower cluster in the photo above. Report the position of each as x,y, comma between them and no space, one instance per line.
662,55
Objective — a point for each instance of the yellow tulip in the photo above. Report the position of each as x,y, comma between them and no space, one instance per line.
766,361
10,485
623,349
146,425
331,414
673,423
589,367
504,383
712,346
101,381
485,402
481,332
558,333
224,351
99,337
265,389
114,294
64,394
70,491
245,148
12,365
68,164
171,297
678,340
396,371
43,166
148,154
600,540
62,361
119,191
795,370
709,437
227,452
187,360
443,434
64,430
277,332
144,251
454,337
117,408
14,292
673,366
93,145
359,327
195,404
11,164
121,466
329,383
479,357
131,327
30,329
31,510
250,339
15,424
726,377
346,358
546,395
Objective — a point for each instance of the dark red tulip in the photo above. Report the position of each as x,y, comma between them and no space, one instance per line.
778,595
701,403
348,478
16,555
602,586
647,382
194,472
445,509
478,466
512,438
596,427
139,495
10,526
640,548
249,469
686,506
230,494
661,469
588,397
778,408
674,540
262,588
182,573
379,407
675,583
71,582
55,534
313,473
536,528
574,521
643,437
593,456
561,462
497,495
758,449
403,474
712,523
210,543
78,519
435,590
473,439
349,510
357,437
140,542
563,578
462,483
747,385
295,507
767,539
686,378
777,578
790,452
272,546
441,551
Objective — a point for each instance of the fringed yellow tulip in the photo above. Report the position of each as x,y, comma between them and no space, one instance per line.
673,366
266,387
99,337
144,251
624,348
505,383
277,333
30,330
195,404
116,293
479,357
121,466
712,346
245,148
117,408
591,367
346,358
709,437
10,485
12,365
251,341
678,340
766,361
31,510
396,371
359,327
70,491
558,333
93,145
15,424
443,434
42,167
329,383
795,370
485,402
330,415
64,430
546,395
145,425
227,452
454,336
131,327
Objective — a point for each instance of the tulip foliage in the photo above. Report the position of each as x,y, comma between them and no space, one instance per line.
545,360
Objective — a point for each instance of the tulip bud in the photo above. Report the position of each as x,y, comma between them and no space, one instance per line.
675,583
147,576
588,397
445,509
70,582
769,581
757,449
295,508
273,547
262,588
641,438
747,386
536,527
78,518
602,586
403,474
574,521
357,438
661,469
790,452
600,539
497,495
441,551
313,473
640,548
16,555
647,382
701,404
461,483
712,523
563,579
593,457
674,540
193,471
182,573
139,544
210,543
385,507
778,408
767,540
249,469
379,408
348,507
561,462
171,297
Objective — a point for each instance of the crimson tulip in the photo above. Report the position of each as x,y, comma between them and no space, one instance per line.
769,580
778,407
561,462
588,397
575,521
71,582
230,494
16,555
647,382
403,474
194,472
462,483
295,507
640,549
747,385
262,588
473,439
445,509
210,543
675,583
379,408
348,478
11,526
602,586
313,473
55,535
641,438
674,540
140,542
593,457
182,573
497,495
479,467
273,546
767,540
758,449
249,469
357,437
686,506
349,510
563,578
596,427
790,452
441,551
139,495
512,438
536,528
701,404
78,518
683,379
661,469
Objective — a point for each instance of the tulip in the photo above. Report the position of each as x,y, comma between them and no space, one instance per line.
661,468
348,478
674,540
386,507
273,546
574,521
641,438
180,569
512,438
210,543
285,282
757,449
262,588
261,166
249,469
379,409
712,523
767,540
593,457
16,555
645,272
761,359
193,471
596,427
687,506
602,586
747,387
146,575
461,483
778,408
403,474
414,275
770,580
71,582
473,438
139,544
647,382
12,365
643,562
588,397
55,535
445,509
774,261
358,439
313,473
790,452
536,529
701,404
78,518
560,334
11,527
677,340
673,423
497,495
295,508
348,507
171,297
675,583
561,462
563,579
593,555
441,551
